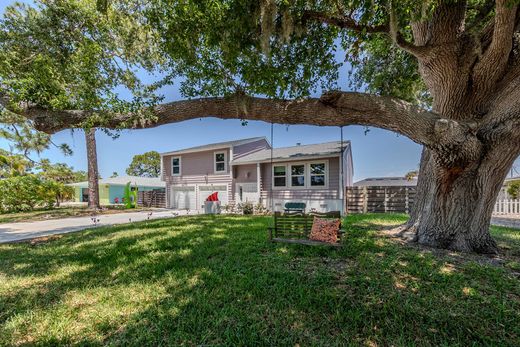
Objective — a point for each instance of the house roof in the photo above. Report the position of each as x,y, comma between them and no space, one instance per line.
515,178
294,152
123,180
217,145
386,182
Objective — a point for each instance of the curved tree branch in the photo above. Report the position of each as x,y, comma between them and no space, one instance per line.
346,22
336,108
493,63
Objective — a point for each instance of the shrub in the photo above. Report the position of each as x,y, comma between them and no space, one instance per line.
513,189
24,193
56,192
260,209
246,207
21,193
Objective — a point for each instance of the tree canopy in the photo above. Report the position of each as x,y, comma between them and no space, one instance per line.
282,50
65,54
145,165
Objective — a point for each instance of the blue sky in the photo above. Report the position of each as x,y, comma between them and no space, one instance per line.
378,153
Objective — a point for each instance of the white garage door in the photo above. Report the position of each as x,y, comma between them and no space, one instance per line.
183,198
205,191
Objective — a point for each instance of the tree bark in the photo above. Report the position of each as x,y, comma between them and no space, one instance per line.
455,205
93,174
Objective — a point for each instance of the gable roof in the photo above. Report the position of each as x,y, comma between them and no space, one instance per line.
386,182
123,180
294,152
217,145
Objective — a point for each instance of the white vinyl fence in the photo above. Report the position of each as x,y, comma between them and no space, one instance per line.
507,206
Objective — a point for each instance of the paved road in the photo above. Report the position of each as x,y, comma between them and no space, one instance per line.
11,232
510,222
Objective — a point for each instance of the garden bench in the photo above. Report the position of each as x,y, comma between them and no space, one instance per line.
295,207
295,227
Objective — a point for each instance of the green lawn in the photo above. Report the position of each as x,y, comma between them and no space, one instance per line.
217,281
56,213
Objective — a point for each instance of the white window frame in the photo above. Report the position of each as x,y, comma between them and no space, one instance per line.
215,163
272,177
307,175
180,166
305,171
326,174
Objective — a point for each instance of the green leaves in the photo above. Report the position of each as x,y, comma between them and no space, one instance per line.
67,54
80,54
145,165
22,193
384,69
513,189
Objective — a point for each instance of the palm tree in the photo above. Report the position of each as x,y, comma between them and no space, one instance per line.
93,173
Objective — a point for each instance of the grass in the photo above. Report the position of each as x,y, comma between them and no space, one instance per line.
206,280
56,213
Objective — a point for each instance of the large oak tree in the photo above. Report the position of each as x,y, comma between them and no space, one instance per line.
444,73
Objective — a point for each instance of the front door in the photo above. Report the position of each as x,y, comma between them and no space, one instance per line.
246,192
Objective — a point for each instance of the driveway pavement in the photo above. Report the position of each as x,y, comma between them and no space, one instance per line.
506,221
12,232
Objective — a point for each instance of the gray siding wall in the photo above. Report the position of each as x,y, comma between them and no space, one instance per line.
197,163
196,168
332,192
244,173
248,148
240,175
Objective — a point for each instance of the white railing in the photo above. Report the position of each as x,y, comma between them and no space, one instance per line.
507,206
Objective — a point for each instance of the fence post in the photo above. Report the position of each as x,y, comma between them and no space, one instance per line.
406,206
386,200
349,192
365,200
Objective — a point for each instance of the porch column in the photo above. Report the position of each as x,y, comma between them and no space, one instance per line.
258,180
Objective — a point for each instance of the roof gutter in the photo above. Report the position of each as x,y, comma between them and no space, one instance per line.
280,160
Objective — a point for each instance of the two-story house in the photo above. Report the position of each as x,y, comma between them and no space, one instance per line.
249,170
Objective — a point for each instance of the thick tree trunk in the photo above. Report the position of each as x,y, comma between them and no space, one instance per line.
93,174
454,205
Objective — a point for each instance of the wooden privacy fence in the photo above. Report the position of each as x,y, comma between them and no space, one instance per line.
152,198
380,199
507,206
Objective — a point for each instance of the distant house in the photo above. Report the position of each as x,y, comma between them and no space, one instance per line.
503,191
241,171
112,190
387,182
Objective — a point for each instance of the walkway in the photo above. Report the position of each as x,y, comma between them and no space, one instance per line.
12,232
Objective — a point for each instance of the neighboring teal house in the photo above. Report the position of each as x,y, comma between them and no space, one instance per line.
112,190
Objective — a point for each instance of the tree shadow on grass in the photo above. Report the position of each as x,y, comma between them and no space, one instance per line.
218,281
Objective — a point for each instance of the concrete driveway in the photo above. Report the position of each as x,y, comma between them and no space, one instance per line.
12,232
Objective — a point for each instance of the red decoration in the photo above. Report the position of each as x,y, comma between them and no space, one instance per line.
212,197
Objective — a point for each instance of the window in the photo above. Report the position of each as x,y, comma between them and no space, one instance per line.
298,175
176,166
301,175
220,162
317,174
279,176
